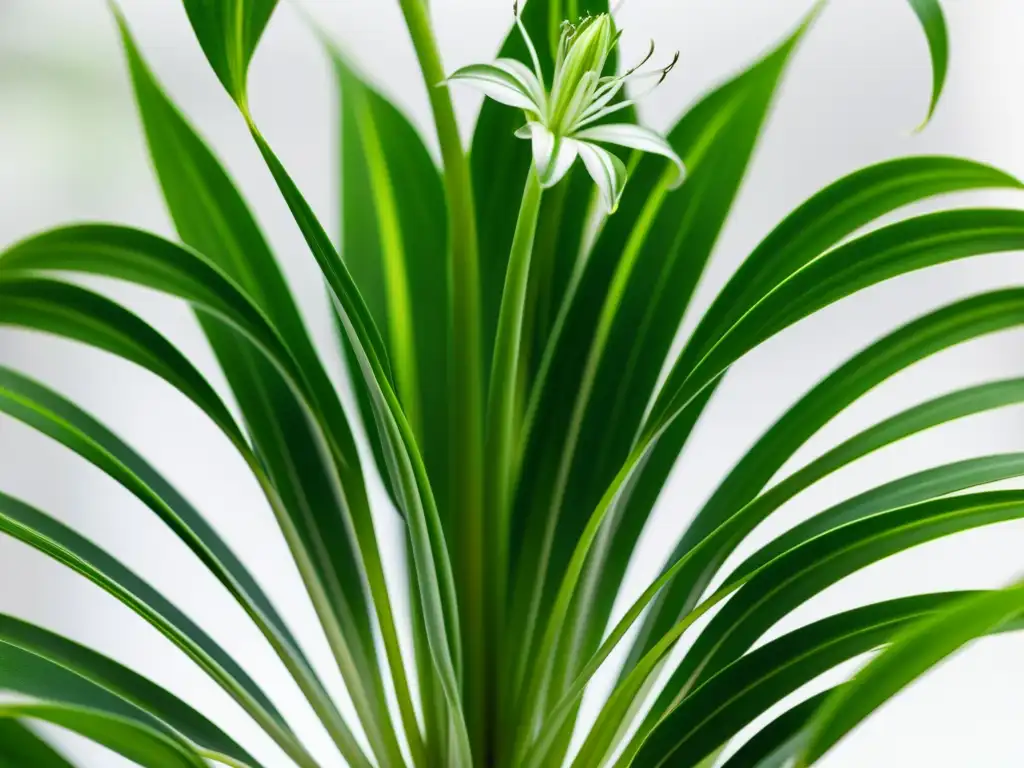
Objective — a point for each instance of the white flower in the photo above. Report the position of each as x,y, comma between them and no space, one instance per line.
562,122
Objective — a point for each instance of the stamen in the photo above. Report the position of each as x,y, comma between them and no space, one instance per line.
529,44
669,68
644,60
598,109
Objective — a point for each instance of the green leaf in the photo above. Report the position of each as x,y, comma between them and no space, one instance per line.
913,653
408,474
671,237
61,420
894,250
604,329
19,746
732,699
122,682
228,31
60,696
701,662
929,13
394,242
786,582
781,441
775,744
325,495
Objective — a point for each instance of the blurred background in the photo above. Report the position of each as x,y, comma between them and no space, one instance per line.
71,149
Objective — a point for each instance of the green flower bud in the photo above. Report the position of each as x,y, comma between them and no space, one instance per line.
583,52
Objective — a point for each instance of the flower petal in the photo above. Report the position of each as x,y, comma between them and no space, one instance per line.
552,156
634,137
497,83
607,171
525,75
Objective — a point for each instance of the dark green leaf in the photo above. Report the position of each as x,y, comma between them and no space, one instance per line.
929,12
325,495
728,702
121,682
62,697
20,748
228,31
913,653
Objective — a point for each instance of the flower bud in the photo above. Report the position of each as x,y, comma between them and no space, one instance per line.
583,52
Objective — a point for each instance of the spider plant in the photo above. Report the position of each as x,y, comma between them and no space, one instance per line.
507,318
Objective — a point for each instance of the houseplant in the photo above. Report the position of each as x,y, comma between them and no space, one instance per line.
506,350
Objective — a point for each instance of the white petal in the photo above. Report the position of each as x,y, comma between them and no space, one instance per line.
552,156
607,171
634,137
525,75
498,84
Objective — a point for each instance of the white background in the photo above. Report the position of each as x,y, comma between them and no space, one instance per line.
71,149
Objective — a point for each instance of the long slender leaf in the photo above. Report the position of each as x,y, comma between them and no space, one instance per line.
394,241
779,443
76,313
733,698
948,326
805,571
122,682
775,745
19,746
933,21
934,483
913,653
326,496
63,697
634,270
408,474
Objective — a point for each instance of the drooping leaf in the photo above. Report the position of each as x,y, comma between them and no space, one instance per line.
933,21
732,699
212,217
946,327
49,692
20,746
394,241
405,465
914,652
775,745
122,682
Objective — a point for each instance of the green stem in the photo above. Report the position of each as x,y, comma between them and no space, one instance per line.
466,401
501,431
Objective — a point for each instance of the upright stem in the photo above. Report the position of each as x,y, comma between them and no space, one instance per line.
499,450
466,402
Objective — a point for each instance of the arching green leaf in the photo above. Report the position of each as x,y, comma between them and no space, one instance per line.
60,696
914,652
119,681
19,746
325,494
